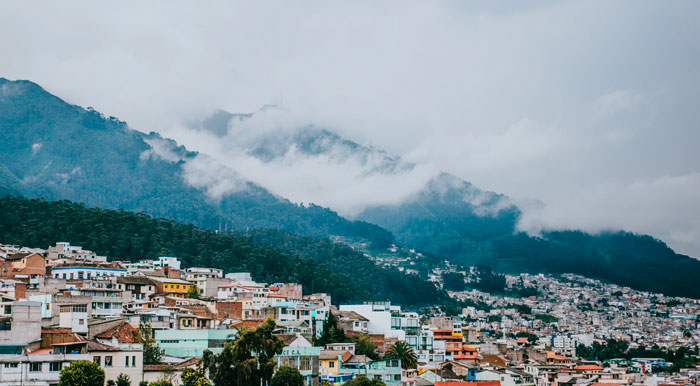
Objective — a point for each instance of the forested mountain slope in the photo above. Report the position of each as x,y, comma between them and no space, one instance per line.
55,150
326,267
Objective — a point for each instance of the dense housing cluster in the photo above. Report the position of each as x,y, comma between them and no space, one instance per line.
64,304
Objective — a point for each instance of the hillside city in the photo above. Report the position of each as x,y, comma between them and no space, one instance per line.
157,320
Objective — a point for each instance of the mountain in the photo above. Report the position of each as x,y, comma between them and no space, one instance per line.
55,150
452,218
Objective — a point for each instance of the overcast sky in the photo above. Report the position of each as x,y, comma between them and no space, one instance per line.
589,108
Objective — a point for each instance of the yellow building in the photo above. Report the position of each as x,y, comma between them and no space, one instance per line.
172,287
331,360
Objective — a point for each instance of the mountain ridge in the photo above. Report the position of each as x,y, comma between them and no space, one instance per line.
62,151
59,151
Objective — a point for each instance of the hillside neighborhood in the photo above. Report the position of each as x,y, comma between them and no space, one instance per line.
65,304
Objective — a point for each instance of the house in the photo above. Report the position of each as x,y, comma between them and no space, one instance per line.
454,346
192,343
462,368
506,377
13,289
171,286
137,287
86,271
387,371
27,263
352,322
588,369
294,340
304,359
330,363
37,368
126,358
190,321
171,372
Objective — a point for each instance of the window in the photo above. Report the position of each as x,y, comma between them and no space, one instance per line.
108,361
394,363
126,361
133,361
289,362
81,322
35,366
80,308
305,363
7,309
397,377
55,366
10,365
97,359
331,364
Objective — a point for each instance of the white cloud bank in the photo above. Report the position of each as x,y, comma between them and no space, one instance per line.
587,107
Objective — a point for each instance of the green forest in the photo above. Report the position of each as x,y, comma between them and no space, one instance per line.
448,226
270,255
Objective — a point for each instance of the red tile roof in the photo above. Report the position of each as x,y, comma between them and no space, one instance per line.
123,332
588,367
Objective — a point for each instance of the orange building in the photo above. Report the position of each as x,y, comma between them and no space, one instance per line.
455,346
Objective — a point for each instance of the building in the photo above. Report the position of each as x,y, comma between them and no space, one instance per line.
387,371
38,368
137,287
172,287
86,271
192,343
378,315
304,359
167,261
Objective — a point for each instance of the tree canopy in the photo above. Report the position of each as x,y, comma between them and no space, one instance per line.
82,373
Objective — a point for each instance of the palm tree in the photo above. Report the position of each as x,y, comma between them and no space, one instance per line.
400,350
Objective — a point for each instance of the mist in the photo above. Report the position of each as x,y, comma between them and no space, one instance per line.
587,109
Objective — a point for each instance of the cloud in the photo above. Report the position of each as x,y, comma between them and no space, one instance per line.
546,101
657,207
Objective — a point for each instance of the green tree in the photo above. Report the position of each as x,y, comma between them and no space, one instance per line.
193,292
249,360
401,350
331,332
152,353
162,382
363,346
287,376
123,380
143,383
364,381
453,281
111,382
192,377
82,373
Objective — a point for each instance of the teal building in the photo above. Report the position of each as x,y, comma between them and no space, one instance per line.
192,343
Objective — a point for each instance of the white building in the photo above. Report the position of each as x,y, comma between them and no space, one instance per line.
379,318
167,261
80,272
39,369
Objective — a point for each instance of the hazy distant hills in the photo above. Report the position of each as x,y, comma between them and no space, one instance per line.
454,219
55,150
